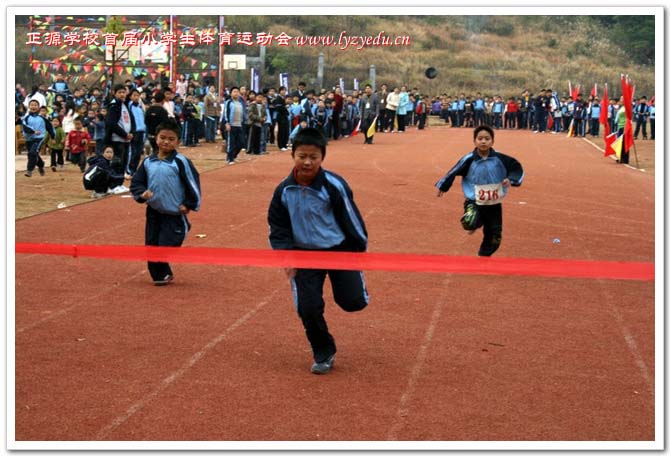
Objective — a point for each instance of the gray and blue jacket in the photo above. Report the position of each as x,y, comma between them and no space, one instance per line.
321,216
476,170
33,122
173,181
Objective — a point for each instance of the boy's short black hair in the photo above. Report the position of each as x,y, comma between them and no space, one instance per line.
486,128
159,97
118,87
171,125
310,137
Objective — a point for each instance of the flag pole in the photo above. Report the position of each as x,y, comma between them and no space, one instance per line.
637,163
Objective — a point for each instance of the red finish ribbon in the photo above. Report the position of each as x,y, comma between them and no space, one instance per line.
534,267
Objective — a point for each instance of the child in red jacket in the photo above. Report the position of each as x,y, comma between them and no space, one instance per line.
77,143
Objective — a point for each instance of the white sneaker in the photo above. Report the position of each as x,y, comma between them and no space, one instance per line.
120,189
231,163
284,149
96,195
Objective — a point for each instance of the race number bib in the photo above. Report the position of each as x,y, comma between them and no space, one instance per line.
488,194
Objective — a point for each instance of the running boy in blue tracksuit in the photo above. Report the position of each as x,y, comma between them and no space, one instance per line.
486,177
314,209
170,185
35,130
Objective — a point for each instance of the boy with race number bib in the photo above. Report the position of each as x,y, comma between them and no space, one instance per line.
486,177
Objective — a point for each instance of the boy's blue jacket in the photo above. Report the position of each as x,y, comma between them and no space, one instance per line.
173,181
33,122
480,171
228,112
321,216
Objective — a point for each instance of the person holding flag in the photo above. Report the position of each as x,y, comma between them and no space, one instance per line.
369,113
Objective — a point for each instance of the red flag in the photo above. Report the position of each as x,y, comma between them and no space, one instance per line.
627,92
550,121
609,140
355,130
594,90
604,109
574,93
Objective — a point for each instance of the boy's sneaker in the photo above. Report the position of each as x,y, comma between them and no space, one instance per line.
323,367
53,168
230,163
96,195
120,189
28,174
41,171
167,279
469,219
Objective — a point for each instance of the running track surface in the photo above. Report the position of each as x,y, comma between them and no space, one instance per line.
220,355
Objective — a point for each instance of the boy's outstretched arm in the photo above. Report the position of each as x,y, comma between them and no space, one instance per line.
460,169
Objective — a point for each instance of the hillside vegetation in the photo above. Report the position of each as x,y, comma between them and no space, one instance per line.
491,54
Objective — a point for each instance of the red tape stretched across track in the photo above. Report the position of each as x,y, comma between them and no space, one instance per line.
538,267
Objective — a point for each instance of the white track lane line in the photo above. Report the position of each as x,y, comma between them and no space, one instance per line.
174,376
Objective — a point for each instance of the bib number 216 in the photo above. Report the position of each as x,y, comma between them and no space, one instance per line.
488,194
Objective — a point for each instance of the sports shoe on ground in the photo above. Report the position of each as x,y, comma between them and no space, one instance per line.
120,189
28,174
323,367
167,279
53,168
230,163
41,171
283,149
96,195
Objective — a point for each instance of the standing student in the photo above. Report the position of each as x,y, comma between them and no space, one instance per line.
257,117
233,117
370,112
381,116
212,112
119,128
403,102
486,177
281,119
338,107
314,209
652,119
154,116
478,107
641,113
35,130
169,184
621,127
137,143
422,111
595,117
56,145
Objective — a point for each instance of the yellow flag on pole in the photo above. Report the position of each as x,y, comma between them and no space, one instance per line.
617,146
570,128
372,129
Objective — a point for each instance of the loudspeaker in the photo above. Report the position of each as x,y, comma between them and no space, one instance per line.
431,73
